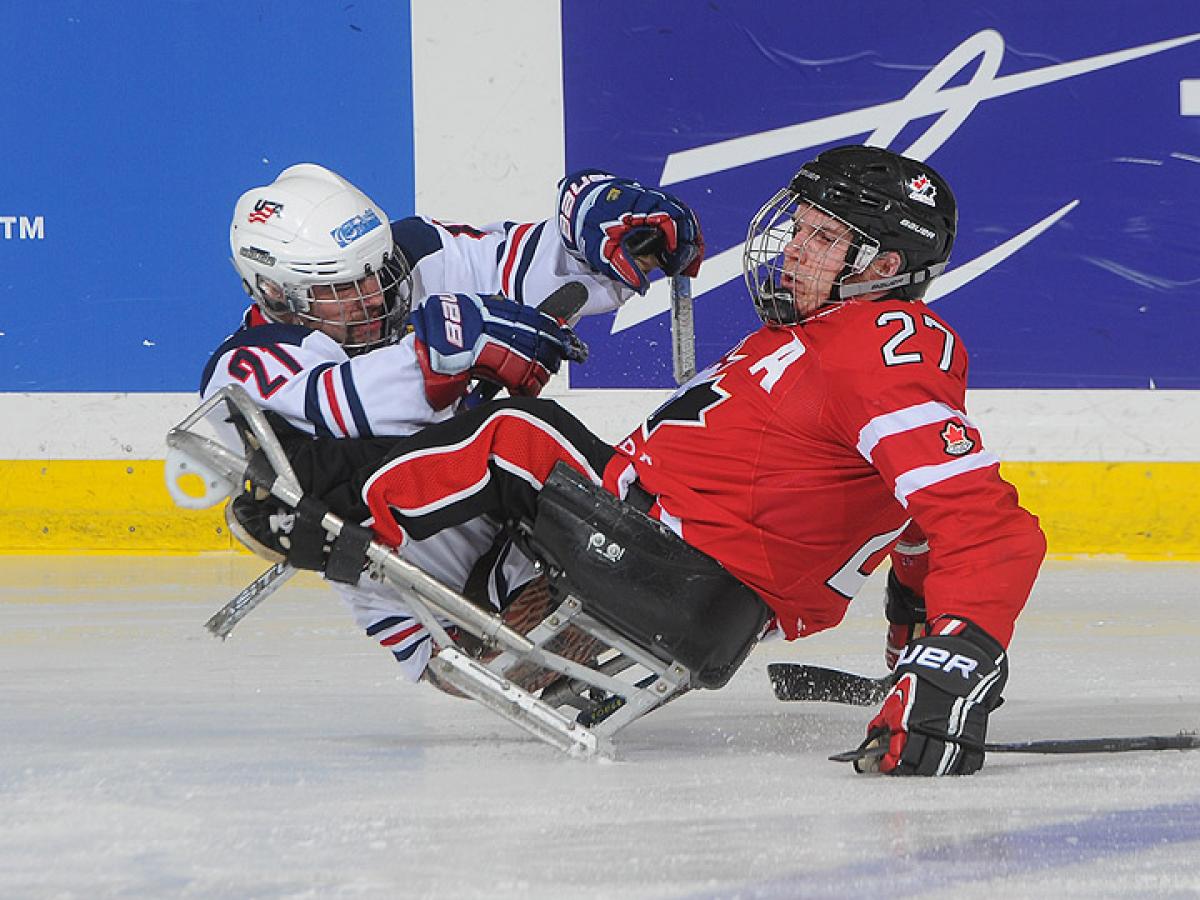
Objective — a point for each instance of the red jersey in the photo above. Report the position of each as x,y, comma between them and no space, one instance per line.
799,458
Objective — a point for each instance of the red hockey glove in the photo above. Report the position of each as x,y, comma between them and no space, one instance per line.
905,615
934,720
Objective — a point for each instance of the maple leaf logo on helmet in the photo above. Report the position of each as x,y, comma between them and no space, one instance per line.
922,190
957,442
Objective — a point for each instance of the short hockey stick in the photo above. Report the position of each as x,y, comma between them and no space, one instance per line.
683,322
1183,741
793,681
225,619
683,329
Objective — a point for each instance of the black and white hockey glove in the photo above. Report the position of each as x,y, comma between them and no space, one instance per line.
275,531
269,529
934,720
906,618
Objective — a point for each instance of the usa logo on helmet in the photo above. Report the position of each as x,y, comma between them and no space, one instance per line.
264,209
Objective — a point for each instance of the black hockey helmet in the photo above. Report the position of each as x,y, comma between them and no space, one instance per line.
891,202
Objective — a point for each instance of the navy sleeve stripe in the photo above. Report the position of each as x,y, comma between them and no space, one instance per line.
361,423
415,238
527,255
502,248
312,401
385,624
408,651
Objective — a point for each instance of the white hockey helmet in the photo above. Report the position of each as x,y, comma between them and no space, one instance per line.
313,249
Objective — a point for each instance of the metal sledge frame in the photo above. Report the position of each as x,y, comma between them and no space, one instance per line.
223,472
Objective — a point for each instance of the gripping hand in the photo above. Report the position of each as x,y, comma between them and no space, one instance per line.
608,222
465,336
934,720
905,615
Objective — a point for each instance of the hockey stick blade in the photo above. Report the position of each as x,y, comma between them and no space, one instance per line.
566,302
1184,740
792,682
224,620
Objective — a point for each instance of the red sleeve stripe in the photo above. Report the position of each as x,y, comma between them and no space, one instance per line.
511,256
951,626
330,392
393,640
927,476
907,419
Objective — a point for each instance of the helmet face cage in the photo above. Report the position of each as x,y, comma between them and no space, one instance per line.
360,314
834,251
312,249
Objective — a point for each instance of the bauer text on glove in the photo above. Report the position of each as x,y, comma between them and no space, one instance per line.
934,720
609,222
465,336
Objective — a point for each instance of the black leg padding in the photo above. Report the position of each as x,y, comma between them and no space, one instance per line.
639,578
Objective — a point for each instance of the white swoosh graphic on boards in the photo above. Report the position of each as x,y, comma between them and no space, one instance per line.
884,121
754,148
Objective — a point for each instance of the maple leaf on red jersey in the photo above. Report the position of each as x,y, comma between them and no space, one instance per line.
958,443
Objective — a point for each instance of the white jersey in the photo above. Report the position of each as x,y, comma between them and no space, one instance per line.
308,379
524,261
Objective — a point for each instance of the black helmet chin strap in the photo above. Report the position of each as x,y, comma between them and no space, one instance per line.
848,291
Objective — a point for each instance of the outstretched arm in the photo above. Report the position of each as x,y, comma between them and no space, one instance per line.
610,222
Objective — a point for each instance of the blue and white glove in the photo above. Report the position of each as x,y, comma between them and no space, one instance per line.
607,221
464,336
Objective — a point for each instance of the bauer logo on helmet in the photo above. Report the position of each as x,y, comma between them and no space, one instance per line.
262,257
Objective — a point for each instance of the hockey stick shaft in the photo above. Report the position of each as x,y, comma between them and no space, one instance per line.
1181,741
683,329
683,323
224,620
793,682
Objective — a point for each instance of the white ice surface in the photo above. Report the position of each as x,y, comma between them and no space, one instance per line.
139,757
